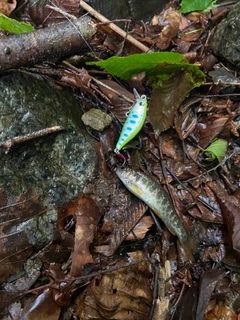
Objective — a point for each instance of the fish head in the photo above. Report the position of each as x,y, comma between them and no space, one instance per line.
131,179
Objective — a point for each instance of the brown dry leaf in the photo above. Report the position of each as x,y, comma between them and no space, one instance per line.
122,294
7,6
43,307
171,26
44,16
14,243
168,149
80,79
166,99
141,228
115,94
222,312
230,210
120,222
216,253
87,218
210,129
203,213
208,283
197,23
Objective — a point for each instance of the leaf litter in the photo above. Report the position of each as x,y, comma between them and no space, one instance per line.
99,264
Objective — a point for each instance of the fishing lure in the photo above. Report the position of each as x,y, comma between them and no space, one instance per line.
157,199
133,123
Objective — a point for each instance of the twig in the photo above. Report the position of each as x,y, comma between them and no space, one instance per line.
56,41
10,142
114,27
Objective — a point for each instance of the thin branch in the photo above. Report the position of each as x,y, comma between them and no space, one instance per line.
10,142
114,27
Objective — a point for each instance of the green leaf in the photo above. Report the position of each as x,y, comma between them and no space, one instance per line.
158,66
13,26
216,150
197,5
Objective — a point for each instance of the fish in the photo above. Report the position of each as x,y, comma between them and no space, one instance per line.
150,192
134,122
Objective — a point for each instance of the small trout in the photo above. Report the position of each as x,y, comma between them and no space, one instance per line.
157,199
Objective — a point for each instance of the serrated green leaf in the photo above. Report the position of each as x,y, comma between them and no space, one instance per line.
216,150
158,66
197,5
14,26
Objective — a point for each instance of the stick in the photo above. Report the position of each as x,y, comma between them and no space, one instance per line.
114,27
45,44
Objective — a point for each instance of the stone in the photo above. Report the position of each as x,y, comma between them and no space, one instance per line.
96,119
225,41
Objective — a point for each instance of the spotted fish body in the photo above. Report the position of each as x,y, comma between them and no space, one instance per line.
133,123
157,199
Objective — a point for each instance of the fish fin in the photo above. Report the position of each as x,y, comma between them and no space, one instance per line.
137,191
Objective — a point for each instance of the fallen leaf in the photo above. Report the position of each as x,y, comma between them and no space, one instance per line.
87,218
166,99
208,283
230,210
169,31
7,7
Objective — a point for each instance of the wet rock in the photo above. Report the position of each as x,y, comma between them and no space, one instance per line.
96,119
56,166
225,40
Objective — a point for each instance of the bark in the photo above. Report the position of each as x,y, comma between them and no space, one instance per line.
45,44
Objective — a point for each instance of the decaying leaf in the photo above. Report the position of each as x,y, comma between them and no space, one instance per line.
208,283
42,15
230,209
87,217
222,312
43,307
6,6
170,29
166,99
122,294
210,129
15,244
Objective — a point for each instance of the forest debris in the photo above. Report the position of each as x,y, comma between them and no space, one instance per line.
166,99
87,218
171,25
122,294
45,15
114,27
45,44
230,210
43,307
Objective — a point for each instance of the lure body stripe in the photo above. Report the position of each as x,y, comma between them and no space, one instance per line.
133,123
157,199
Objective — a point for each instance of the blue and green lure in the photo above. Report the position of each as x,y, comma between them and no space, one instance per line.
134,122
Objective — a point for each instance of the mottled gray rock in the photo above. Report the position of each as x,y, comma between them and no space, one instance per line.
225,40
96,119
59,164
